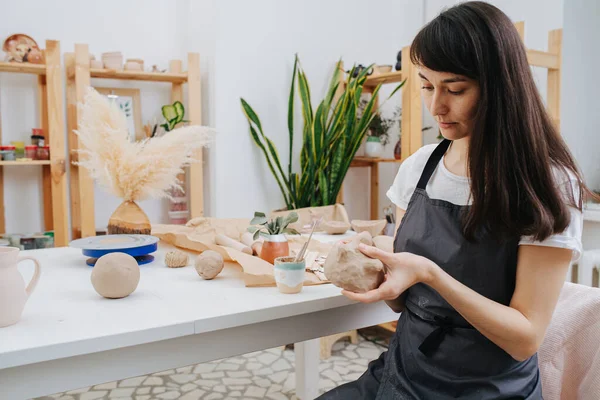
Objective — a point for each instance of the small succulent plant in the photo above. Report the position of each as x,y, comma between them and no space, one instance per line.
274,226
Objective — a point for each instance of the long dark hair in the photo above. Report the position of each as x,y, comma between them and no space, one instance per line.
515,144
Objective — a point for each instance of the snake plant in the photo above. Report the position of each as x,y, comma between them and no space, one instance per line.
331,136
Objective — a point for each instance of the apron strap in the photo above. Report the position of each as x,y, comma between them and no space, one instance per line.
432,163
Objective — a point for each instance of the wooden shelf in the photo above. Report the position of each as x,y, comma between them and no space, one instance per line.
388,77
31,162
24,68
368,161
139,75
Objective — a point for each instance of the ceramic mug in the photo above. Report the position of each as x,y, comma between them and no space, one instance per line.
289,275
13,293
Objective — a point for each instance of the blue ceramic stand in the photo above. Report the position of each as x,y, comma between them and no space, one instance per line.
137,246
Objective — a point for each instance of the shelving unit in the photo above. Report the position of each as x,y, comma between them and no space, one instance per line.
54,181
411,123
79,76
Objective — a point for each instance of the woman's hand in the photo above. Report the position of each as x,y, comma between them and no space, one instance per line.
402,270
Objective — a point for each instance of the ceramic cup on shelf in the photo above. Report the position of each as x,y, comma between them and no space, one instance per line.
289,275
13,293
374,147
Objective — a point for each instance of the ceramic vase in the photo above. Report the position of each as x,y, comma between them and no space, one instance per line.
274,246
374,147
398,150
129,218
13,293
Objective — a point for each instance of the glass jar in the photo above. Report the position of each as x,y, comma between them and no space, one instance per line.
43,153
31,152
19,149
8,153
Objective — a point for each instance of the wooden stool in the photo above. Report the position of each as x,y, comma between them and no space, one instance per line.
327,342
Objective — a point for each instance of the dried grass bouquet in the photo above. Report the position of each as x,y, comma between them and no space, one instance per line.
133,171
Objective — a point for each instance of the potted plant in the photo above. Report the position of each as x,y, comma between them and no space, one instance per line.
331,135
273,231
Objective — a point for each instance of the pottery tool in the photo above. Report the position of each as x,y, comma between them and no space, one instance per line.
300,254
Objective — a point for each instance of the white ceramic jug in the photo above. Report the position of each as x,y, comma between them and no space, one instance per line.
13,294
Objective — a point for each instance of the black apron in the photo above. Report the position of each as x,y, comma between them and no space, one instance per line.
435,353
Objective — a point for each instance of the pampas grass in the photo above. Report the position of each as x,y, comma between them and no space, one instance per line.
133,171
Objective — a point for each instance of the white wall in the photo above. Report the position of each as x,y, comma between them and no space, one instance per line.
580,85
151,30
254,59
247,50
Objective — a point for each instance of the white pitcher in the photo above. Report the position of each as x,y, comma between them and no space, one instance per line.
13,294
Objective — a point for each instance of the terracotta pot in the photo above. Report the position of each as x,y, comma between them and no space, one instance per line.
274,246
129,218
398,150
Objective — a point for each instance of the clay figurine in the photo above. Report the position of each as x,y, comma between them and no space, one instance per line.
115,275
347,267
209,264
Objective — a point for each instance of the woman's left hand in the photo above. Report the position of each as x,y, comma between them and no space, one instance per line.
402,270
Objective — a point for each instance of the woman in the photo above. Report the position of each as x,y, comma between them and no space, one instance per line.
490,221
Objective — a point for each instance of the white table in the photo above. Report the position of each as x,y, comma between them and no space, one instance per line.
70,337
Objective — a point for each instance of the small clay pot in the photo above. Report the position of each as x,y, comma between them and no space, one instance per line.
274,246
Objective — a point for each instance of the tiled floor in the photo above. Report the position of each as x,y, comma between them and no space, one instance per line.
265,374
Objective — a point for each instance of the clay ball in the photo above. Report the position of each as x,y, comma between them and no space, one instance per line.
115,275
209,264
348,268
176,259
334,227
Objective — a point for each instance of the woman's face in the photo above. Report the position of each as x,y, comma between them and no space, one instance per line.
452,100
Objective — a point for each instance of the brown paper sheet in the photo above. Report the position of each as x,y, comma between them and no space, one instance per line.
306,216
200,236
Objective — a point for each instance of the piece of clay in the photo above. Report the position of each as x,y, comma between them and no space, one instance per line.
256,245
334,227
384,242
223,240
176,259
115,275
347,267
374,227
209,264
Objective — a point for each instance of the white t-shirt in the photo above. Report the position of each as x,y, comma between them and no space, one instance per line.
455,189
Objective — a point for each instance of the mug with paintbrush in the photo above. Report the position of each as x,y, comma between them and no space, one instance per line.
289,271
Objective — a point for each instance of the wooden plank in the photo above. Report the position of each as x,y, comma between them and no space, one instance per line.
406,104
338,93
23,68
388,77
416,116
29,162
139,75
86,184
553,90
371,160
72,146
543,59
56,130
177,95
47,193
46,175
521,29
374,191
196,178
